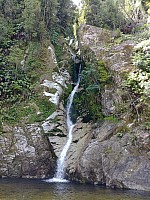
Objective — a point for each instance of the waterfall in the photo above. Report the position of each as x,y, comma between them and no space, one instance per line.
60,172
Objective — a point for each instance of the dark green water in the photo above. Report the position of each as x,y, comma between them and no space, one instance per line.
17,189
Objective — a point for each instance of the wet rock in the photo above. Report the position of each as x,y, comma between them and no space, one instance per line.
59,81
81,137
90,168
55,125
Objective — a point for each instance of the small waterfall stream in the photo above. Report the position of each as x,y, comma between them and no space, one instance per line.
60,171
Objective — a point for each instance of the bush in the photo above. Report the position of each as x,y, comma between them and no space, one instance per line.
87,102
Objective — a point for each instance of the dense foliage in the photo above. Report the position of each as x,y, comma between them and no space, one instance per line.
87,103
128,17
138,81
123,14
26,26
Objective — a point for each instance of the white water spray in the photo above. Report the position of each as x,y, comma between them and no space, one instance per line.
60,172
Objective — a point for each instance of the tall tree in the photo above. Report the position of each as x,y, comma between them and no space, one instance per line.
49,11
33,22
66,16
103,13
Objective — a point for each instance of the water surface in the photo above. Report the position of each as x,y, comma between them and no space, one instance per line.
22,189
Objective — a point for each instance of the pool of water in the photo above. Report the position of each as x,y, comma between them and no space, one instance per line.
26,189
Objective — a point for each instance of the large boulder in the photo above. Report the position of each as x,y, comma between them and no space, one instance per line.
25,152
115,160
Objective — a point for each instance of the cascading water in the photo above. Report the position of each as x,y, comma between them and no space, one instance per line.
60,172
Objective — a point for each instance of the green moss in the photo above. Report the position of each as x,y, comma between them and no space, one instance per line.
45,106
108,150
94,77
111,118
87,101
67,92
58,51
147,125
104,76
122,130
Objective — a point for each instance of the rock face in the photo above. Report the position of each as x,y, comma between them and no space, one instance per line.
116,154
26,153
114,160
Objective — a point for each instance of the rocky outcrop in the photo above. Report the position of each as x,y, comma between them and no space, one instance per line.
98,44
25,152
118,153
115,160
55,125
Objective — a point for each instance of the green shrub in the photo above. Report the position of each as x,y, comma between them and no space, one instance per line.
87,102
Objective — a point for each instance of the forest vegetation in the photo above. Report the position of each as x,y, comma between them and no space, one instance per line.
28,26
129,19
26,29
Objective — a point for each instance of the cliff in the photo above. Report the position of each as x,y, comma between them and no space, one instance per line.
117,155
